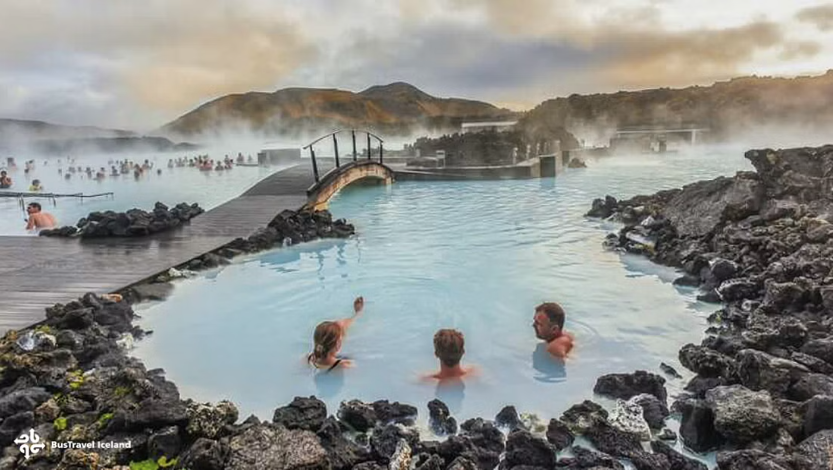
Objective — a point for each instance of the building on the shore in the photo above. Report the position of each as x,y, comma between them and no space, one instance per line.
497,126
279,156
651,139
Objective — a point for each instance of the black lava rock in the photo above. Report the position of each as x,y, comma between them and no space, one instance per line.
440,418
559,435
508,418
627,386
303,413
522,448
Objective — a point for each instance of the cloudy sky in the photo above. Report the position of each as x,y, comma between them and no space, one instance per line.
137,64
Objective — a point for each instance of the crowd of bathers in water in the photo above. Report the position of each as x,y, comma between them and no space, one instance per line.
123,167
204,163
37,219
449,344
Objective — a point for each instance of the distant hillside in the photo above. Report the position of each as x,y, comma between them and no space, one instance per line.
108,145
395,109
37,137
16,130
736,108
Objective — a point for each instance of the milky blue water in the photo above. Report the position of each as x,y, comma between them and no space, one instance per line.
476,256
173,186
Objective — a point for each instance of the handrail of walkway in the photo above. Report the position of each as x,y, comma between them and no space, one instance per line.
334,135
331,175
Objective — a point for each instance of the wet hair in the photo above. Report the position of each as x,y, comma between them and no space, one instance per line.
325,340
35,182
449,346
554,313
35,205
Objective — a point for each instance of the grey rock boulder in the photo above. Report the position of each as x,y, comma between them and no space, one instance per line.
275,447
810,385
742,415
627,386
707,362
700,207
816,450
22,400
303,413
653,410
818,414
761,371
205,454
697,426
156,291
559,435
207,420
522,448
820,348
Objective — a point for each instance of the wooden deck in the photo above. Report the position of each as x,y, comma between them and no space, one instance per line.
37,272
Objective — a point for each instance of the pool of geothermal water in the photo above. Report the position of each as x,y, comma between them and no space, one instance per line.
476,256
173,186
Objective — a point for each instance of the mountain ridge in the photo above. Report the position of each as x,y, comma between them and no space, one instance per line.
743,106
800,106
28,129
396,108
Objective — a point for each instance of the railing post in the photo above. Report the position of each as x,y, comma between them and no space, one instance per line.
335,147
314,165
368,146
380,152
354,144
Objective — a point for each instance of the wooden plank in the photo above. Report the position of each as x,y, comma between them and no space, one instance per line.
37,272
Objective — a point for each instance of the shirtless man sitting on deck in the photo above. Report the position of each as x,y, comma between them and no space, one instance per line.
548,322
38,219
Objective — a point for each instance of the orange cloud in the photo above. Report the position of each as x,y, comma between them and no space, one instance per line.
821,16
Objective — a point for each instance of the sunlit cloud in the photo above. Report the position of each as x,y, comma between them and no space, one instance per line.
122,63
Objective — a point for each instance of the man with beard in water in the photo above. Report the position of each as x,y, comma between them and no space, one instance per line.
548,322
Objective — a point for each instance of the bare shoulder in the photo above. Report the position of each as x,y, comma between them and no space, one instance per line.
560,347
428,377
567,340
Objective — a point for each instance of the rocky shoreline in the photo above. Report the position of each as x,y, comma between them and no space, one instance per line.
762,244
761,397
133,223
72,381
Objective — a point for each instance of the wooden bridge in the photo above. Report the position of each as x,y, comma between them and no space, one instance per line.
38,272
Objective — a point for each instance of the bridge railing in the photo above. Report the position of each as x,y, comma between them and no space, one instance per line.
369,152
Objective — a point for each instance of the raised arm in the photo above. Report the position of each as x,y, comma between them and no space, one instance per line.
358,306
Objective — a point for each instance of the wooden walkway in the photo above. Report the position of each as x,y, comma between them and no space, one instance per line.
38,272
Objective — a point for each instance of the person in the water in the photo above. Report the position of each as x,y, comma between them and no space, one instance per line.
548,322
449,347
5,180
35,186
328,338
38,219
